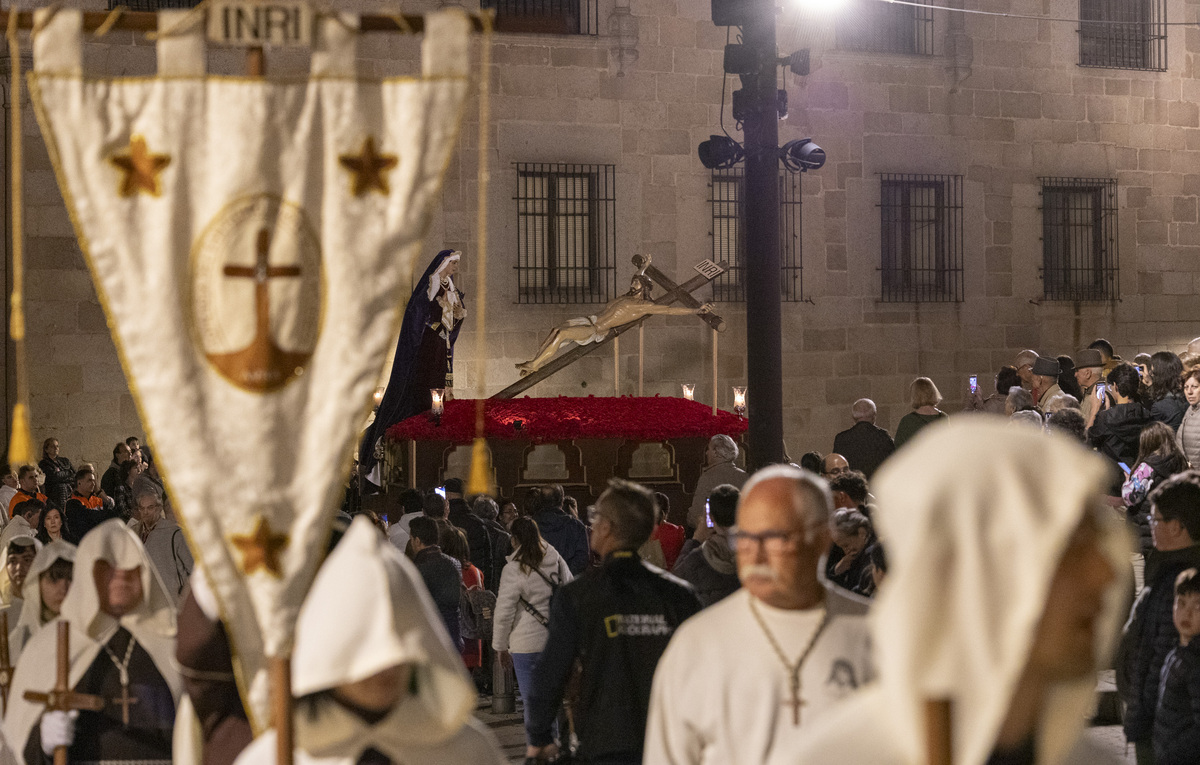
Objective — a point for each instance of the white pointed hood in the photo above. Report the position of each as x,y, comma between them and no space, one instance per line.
975,516
30,620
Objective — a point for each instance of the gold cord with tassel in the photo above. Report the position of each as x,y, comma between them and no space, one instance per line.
480,479
20,445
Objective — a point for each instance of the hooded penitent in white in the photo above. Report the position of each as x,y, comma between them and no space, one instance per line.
152,625
10,601
368,611
975,516
30,620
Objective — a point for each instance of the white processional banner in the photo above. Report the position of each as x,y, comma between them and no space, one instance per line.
252,242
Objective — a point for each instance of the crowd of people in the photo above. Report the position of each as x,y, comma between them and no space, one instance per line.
734,631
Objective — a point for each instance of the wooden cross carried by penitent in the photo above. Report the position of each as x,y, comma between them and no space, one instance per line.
6,667
61,698
681,293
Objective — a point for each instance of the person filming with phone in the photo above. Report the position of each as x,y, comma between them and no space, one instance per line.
1089,373
711,566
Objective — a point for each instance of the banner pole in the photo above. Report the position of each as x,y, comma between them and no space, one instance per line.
281,708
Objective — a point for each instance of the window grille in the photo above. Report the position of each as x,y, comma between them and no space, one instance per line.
921,238
151,5
1079,238
1123,34
728,193
566,233
556,17
875,27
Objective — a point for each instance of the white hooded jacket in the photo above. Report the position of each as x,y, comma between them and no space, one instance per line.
975,516
368,611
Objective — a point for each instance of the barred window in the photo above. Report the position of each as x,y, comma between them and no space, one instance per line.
728,196
566,233
870,26
556,17
1079,238
151,5
1123,34
921,238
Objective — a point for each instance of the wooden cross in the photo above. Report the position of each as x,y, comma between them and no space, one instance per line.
6,667
61,698
680,293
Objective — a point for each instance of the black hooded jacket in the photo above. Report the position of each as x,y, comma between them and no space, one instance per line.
1148,637
1116,431
1177,721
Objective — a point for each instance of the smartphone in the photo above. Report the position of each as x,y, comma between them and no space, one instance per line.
1124,467
973,381
1101,389
440,492
707,515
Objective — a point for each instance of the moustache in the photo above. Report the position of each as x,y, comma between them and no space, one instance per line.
758,571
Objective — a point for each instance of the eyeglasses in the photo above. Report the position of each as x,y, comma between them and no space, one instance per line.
1155,519
593,515
774,542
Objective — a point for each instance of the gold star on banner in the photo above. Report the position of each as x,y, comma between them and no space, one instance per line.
260,549
141,168
369,169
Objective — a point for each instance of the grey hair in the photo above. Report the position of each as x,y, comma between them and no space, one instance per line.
811,491
724,447
486,508
1019,398
1061,401
848,521
863,410
1027,416
144,487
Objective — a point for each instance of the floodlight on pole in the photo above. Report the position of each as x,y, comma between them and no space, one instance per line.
802,155
720,152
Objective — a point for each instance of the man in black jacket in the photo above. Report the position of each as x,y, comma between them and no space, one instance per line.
477,536
617,619
1150,633
1116,430
568,536
864,446
440,572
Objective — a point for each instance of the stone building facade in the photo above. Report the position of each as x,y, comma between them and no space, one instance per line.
996,115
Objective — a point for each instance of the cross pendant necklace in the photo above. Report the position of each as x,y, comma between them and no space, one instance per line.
793,669
125,700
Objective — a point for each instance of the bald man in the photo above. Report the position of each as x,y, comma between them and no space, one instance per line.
1024,364
864,446
787,646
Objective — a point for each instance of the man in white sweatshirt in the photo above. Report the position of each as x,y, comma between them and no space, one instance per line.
800,644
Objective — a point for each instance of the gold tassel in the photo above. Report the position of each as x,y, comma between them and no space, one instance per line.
20,445
480,481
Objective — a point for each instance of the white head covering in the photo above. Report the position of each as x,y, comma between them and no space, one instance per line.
152,624
18,528
435,281
975,517
30,620
368,611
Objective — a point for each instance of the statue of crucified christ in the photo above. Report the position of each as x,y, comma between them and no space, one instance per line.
626,309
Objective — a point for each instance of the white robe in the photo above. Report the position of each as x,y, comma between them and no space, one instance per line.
152,625
721,694
975,516
368,611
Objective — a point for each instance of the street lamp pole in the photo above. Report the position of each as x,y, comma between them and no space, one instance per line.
762,272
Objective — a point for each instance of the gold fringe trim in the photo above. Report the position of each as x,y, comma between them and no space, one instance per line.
480,480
